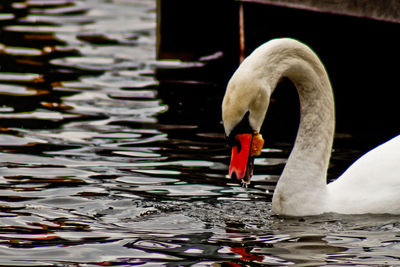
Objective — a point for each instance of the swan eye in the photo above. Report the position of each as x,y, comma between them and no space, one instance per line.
230,140
243,127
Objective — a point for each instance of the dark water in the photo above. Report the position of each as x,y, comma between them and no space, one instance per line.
109,157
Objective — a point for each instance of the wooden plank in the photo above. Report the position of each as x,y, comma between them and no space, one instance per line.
387,10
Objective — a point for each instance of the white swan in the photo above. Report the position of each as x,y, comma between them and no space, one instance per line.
369,185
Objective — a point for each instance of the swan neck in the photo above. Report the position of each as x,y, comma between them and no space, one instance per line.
304,176
315,134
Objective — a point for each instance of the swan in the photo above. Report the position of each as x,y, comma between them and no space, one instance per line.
370,185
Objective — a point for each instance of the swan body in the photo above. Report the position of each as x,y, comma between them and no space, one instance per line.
369,185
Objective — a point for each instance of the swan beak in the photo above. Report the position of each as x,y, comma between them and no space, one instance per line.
246,147
241,161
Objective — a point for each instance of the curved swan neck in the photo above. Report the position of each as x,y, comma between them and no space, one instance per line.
250,89
304,175
287,58
309,158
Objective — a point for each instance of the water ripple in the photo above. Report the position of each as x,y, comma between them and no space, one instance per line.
105,160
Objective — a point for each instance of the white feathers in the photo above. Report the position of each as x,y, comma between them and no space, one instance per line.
370,185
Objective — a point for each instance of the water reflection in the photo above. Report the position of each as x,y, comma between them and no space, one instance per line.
109,157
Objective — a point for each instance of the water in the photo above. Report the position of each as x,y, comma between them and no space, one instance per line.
109,157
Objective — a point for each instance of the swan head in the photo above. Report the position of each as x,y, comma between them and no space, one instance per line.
243,111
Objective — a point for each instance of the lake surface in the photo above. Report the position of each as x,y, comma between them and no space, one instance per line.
111,158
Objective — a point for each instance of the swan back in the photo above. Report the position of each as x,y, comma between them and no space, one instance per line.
371,184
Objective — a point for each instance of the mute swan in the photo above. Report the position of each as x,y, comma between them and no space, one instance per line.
369,185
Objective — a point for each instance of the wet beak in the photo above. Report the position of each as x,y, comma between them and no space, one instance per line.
244,149
241,165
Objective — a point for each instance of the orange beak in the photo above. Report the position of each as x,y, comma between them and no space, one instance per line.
241,162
